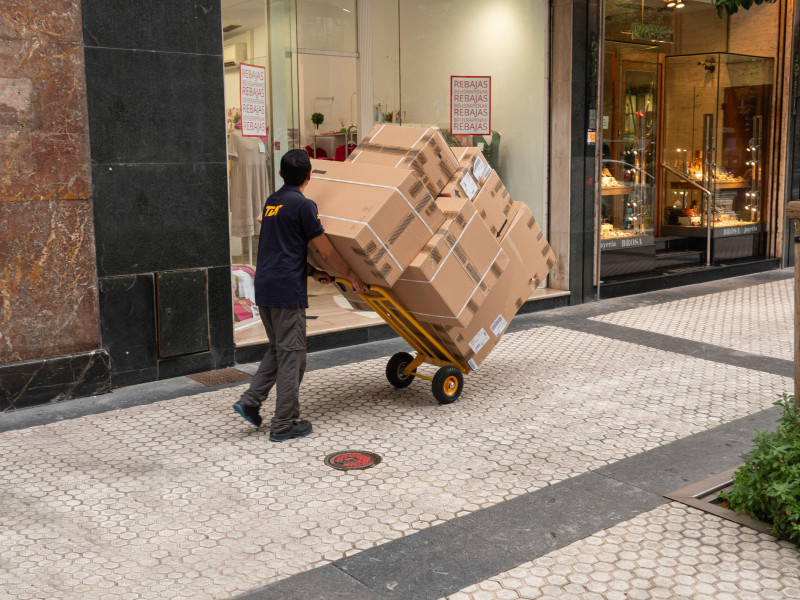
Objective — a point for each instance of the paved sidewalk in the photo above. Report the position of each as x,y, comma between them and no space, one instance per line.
544,480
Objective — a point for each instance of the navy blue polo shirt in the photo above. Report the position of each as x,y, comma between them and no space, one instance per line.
289,221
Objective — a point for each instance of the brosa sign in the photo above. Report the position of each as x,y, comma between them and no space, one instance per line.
253,100
470,105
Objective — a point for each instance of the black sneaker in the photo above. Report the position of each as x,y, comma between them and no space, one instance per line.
297,430
248,413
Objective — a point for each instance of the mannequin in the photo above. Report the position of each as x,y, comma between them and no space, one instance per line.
249,181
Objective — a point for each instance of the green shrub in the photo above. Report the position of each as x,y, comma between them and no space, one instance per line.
767,486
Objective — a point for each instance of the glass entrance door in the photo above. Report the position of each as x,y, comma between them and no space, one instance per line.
716,115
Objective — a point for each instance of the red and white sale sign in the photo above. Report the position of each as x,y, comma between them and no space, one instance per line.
253,99
470,105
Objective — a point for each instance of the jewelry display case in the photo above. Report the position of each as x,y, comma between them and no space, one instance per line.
716,116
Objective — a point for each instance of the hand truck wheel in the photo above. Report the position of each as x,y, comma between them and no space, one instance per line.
395,367
447,384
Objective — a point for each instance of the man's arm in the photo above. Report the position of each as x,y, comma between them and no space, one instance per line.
334,259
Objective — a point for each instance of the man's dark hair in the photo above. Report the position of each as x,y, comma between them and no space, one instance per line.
295,167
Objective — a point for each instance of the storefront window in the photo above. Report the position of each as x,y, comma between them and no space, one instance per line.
686,136
419,45
316,73
629,153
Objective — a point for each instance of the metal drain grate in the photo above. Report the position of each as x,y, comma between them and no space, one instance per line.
220,377
351,460
703,495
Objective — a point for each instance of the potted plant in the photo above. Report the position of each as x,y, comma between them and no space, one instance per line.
317,119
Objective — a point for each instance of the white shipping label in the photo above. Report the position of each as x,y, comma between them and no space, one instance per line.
261,147
472,364
469,186
478,168
479,341
499,325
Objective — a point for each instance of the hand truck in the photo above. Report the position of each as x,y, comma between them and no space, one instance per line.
448,380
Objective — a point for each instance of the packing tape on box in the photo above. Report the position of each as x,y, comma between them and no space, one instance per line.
424,133
469,299
377,237
444,260
386,187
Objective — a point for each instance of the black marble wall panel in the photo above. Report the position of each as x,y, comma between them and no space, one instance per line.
155,89
220,315
182,303
151,107
128,326
174,26
42,381
160,217
585,79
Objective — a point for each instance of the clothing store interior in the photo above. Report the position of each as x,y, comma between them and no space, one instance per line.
311,56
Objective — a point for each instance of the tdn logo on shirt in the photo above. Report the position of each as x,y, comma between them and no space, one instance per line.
271,211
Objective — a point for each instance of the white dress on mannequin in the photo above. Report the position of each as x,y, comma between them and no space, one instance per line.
248,182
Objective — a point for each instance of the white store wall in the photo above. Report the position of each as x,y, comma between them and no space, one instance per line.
505,39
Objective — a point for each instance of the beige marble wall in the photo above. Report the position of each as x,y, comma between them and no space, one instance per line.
48,284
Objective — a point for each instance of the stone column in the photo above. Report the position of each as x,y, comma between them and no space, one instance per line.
49,324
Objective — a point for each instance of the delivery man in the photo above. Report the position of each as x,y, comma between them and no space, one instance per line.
289,222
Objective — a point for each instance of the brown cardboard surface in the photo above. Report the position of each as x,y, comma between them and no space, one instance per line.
524,241
461,185
421,150
473,343
531,259
448,280
473,160
494,204
377,218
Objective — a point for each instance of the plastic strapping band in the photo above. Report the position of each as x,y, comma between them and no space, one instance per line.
412,145
367,225
377,185
470,296
444,260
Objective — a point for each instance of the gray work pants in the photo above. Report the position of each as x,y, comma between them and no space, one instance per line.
283,364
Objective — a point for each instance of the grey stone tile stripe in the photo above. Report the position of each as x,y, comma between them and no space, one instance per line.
445,558
659,341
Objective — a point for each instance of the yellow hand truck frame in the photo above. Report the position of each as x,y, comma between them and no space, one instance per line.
448,381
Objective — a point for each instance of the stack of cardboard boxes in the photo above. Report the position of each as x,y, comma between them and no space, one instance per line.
436,227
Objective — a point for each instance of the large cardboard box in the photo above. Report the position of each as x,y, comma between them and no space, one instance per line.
494,204
449,279
470,345
530,260
421,150
378,218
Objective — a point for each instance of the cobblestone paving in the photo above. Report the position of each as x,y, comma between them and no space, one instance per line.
673,552
755,319
182,499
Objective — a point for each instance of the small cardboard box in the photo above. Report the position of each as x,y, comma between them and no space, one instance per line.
473,160
461,185
421,150
494,204
377,218
449,279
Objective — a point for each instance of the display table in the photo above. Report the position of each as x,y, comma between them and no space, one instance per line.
338,139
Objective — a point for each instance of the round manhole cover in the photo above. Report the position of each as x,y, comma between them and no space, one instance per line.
351,460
